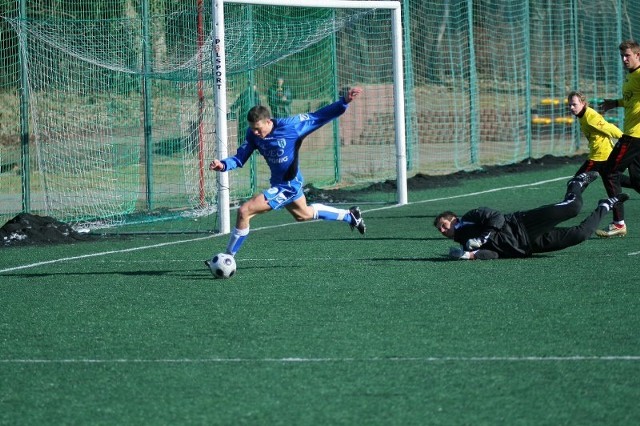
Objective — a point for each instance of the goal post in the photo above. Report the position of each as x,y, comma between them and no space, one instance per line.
398,86
220,99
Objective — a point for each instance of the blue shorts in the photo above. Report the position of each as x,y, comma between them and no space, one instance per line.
279,196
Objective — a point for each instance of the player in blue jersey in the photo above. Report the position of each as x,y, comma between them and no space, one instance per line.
278,140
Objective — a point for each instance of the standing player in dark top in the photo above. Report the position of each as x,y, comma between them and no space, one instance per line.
484,233
278,140
280,99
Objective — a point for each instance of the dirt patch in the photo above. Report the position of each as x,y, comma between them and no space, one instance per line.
28,229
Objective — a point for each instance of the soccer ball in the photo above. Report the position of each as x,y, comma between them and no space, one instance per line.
222,265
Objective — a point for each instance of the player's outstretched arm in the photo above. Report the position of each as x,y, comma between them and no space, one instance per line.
216,165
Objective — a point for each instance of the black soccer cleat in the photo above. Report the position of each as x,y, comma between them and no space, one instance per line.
356,220
584,179
608,203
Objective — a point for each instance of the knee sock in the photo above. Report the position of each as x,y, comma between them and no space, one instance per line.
236,239
320,211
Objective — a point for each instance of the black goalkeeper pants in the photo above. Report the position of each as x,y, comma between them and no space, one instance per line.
542,224
609,183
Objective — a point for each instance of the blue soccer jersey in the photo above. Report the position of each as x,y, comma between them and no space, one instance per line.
280,147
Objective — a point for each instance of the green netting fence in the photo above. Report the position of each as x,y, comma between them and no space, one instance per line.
107,110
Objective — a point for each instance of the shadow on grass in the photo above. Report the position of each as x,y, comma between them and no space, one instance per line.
365,238
186,274
442,258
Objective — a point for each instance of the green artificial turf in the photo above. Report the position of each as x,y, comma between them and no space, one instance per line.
323,326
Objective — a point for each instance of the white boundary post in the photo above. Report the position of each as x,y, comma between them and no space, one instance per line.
398,108
220,99
398,71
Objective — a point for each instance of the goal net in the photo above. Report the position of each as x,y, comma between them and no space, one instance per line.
123,122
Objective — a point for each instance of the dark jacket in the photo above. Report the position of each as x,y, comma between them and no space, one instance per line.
507,235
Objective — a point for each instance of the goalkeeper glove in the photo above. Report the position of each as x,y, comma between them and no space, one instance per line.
476,243
459,254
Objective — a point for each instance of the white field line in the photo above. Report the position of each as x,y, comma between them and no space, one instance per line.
472,194
504,359
294,360
106,253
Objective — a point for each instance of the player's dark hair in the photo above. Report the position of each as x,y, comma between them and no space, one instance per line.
257,113
448,215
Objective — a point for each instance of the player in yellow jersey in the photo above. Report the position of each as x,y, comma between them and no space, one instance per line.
600,134
626,153
598,131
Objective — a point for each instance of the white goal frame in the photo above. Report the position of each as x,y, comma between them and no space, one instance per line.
220,87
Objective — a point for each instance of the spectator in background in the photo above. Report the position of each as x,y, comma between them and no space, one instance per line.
249,98
280,99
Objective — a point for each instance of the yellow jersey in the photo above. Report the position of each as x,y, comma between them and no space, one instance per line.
631,103
599,132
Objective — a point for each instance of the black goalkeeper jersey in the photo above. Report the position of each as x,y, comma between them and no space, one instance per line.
508,237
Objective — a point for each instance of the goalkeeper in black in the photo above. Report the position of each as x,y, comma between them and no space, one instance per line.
485,233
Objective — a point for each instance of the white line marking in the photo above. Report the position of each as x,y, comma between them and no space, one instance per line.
473,359
104,253
85,256
576,358
471,194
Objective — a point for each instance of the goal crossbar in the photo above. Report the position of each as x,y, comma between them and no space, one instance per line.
336,4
